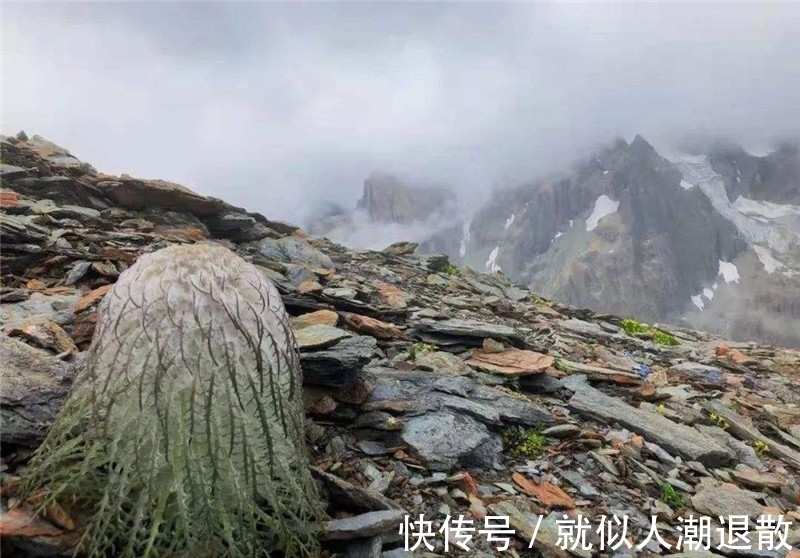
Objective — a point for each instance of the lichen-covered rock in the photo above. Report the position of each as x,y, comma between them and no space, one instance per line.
191,390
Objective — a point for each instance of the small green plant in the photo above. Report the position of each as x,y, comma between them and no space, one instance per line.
761,447
661,409
632,327
539,301
524,443
451,270
420,349
670,496
717,420
563,366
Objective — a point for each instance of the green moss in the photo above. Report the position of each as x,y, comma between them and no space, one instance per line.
539,301
524,443
451,270
419,349
561,365
637,329
670,496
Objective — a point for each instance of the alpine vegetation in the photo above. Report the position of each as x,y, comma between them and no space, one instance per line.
184,433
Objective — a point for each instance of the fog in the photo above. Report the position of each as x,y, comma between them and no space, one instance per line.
276,107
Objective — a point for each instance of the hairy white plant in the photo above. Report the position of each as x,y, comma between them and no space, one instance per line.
184,434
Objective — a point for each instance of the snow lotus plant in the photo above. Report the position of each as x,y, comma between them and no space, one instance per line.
184,435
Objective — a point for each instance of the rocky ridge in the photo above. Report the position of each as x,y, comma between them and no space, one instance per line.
430,389
710,239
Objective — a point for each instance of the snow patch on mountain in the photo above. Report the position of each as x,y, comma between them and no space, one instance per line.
758,222
765,209
729,272
509,222
697,300
686,185
769,262
708,293
603,207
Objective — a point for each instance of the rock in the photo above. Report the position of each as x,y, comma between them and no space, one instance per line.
392,296
62,190
441,362
339,364
34,386
56,308
371,326
309,287
320,317
562,431
756,479
401,248
367,548
292,250
139,195
237,227
725,501
78,271
45,334
355,497
8,199
10,172
319,337
548,494
514,362
443,440
678,438
366,525
472,332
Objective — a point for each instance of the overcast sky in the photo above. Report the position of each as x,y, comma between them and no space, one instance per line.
275,106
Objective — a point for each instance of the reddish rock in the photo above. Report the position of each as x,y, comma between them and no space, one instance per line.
8,199
392,296
721,350
43,333
738,357
83,328
373,327
22,522
309,286
92,298
514,362
320,317
322,406
548,494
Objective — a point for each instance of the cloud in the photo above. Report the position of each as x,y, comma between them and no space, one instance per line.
278,106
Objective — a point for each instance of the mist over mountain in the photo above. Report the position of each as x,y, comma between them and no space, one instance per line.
479,130
275,106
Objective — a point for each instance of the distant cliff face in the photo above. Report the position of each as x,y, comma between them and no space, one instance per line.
387,200
388,211
712,240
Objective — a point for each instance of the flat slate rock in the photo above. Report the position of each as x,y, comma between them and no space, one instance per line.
370,524
725,501
467,328
337,365
674,437
444,440
33,387
319,336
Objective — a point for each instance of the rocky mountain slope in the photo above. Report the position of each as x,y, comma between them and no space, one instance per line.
433,389
710,240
